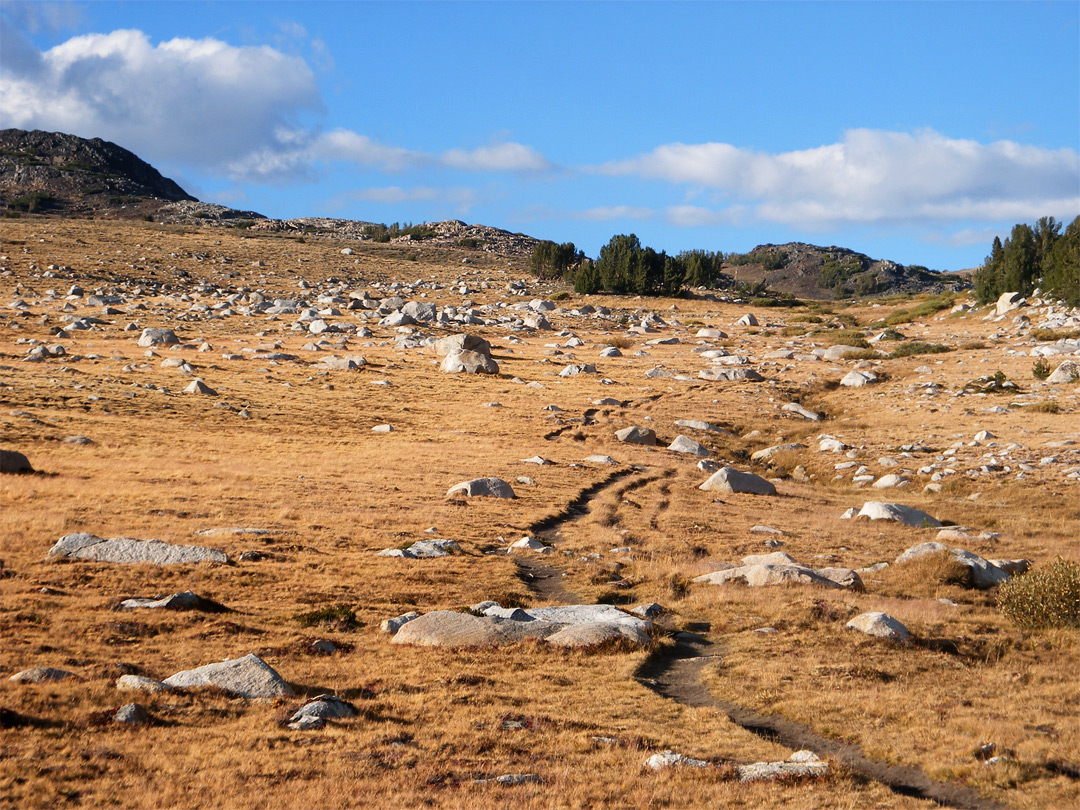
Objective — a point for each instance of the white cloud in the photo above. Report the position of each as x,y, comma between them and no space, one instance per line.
461,199
207,104
604,213
871,176
200,102
500,157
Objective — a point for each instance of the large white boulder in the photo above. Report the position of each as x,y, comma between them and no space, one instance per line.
728,479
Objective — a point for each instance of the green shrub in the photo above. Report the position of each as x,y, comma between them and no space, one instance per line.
1044,597
1040,369
333,617
1046,406
918,347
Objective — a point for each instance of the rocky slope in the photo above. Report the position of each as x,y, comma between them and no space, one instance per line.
43,172
810,271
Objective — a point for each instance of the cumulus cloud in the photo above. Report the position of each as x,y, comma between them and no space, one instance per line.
871,176
207,104
201,102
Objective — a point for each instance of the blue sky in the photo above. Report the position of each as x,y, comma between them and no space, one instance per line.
908,131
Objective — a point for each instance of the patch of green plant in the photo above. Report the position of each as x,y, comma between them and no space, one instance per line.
1046,406
779,301
806,319
124,200
1054,335
33,202
927,307
1043,597
562,295
918,347
843,337
995,383
335,617
893,334
1040,369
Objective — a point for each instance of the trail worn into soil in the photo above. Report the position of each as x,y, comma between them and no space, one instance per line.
676,674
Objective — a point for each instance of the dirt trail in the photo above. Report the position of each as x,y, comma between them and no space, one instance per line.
676,674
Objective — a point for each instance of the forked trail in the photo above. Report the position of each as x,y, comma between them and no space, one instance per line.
675,672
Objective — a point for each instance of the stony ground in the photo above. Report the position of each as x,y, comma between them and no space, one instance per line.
325,430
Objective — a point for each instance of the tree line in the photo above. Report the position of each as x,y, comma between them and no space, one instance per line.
626,267
1042,256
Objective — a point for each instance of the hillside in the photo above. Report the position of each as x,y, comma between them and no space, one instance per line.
55,173
810,271
43,172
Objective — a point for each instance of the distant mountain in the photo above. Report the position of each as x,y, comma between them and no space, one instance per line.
42,172
810,271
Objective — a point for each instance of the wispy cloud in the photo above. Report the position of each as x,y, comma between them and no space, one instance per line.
499,157
604,213
871,176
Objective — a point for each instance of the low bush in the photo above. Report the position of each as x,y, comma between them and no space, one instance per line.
1040,369
1044,597
918,347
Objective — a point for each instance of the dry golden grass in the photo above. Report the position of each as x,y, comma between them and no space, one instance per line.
307,466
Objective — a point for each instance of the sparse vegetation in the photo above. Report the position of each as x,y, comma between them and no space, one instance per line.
1043,597
918,347
1040,369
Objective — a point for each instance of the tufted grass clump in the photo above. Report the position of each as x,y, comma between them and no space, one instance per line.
1045,597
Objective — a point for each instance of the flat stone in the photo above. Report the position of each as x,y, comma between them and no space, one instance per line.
800,765
760,576
461,342
684,444
717,374
41,675
446,628
84,546
482,487
858,379
766,453
907,515
247,677
186,600
669,759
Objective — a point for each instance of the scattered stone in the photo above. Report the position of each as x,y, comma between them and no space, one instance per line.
157,337
728,479
984,573
41,675
197,386
14,462
247,677
185,600
529,544
600,459
84,546
684,444
137,683
669,759
391,626
133,713
482,487
717,374
879,624
759,575
767,453
468,362
801,764
907,515
323,708
636,435
857,379
805,413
